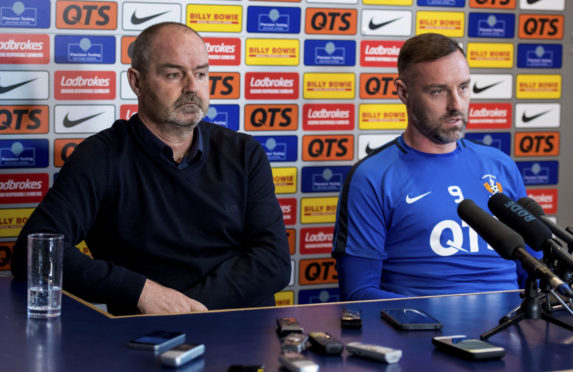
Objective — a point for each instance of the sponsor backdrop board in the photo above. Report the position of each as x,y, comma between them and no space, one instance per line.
312,81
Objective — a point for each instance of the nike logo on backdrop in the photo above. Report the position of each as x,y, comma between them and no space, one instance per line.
13,86
481,89
370,149
527,119
410,200
72,123
374,26
532,1
137,21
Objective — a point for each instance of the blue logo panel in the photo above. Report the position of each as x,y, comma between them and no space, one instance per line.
539,55
31,153
84,49
25,14
323,179
493,25
280,20
317,296
448,3
279,148
539,172
224,115
329,52
501,141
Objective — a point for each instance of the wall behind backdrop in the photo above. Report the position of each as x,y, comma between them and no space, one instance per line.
312,81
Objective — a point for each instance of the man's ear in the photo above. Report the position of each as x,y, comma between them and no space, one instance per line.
402,90
134,79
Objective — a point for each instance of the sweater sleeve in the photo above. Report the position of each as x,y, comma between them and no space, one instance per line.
70,208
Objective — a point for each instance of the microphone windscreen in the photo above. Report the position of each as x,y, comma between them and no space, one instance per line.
532,206
500,237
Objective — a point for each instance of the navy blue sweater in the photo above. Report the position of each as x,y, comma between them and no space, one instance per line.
212,228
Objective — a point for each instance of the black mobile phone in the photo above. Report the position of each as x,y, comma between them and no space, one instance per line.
468,348
324,343
288,325
351,318
410,319
294,342
157,340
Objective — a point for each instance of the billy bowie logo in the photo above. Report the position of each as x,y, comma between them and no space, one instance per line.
378,86
29,153
485,86
382,116
271,117
17,49
279,148
328,147
380,53
320,85
490,55
490,116
537,115
541,26
323,179
223,51
224,115
536,144
328,116
539,172
546,198
138,16
329,52
316,240
498,140
331,21
24,84
446,23
538,86
318,210
23,188
284,180
386,22
83,119
94,15
13,220
272,52
127,111
494,4
288,207
224,85
63,148
214,18
25,14
491,25
84,85
271,85
84,49
542,4
282,20
24,119
539,55
368,143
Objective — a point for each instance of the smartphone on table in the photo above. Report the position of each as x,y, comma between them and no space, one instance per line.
157,341
468,348
411,319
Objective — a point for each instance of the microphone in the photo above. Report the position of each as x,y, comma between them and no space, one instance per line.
508,244
535,209
535,233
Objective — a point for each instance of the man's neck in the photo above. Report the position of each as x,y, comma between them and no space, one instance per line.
420,142
179,139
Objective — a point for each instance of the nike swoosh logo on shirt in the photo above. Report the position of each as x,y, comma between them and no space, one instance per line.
481,89
374,26
410,200
8,88
137,21
72,123
526,118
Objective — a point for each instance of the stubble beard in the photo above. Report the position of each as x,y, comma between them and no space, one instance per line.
177,115
436,130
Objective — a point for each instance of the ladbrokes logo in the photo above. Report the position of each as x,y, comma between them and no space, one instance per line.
272,52
494,4
546,198
271,117
541,26
224,85
83,85
319,85
318,271
378,86
323,116
271,85
12,221
482,55
288,207
223,51
23,188
126,111
328,148
331,21
490,116
284,180
95,15
318,210
24,49
446,23
316,240
63,148
538,86
379,53
215,18
536,144
24,119
382,116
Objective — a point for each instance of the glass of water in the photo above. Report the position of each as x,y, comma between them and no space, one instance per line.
45,255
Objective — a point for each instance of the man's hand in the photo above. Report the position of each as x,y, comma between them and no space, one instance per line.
157,299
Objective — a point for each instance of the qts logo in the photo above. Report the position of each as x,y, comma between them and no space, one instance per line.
94,15
224,85
541,26
331,21
318,271
271,117
24,119
378,86
328,148
6,249
63,148
536,144
493,4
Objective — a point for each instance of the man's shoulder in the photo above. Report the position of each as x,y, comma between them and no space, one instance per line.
483,150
